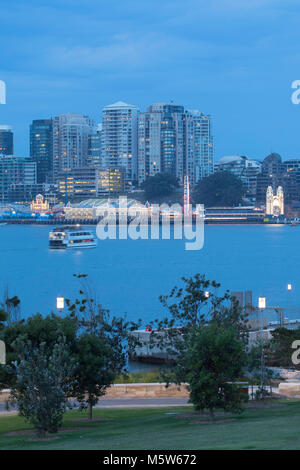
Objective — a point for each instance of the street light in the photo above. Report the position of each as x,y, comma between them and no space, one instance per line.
60,304
289,286
206,295
262,306
261,302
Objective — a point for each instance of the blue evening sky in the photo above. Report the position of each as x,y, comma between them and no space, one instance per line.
233,59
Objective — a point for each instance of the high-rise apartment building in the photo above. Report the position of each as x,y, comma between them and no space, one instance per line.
6,140
173,140
119,138
246,169
95,147
71,141
41,152
203,145
17,179
161,141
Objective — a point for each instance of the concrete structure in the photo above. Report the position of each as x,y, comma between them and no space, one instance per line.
290,389
119,139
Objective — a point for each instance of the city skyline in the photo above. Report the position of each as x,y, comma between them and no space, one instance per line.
143,53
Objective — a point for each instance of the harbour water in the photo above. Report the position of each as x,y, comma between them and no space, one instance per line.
129,275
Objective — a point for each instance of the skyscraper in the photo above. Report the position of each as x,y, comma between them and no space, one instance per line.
6,140
41,136
70,141
203,145
161,141
173,140
94,149
119,138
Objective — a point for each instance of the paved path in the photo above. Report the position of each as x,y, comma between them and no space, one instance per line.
125,403
132,402
141,402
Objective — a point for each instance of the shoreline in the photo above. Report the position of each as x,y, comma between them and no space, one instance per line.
59,222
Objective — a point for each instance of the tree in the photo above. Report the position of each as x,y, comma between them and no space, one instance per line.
36,329
191,308
11,306
93,374
43,381
160,185
103,347
278,351
214,359
219,189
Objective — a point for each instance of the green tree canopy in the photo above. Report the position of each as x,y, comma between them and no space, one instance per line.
160,185
93,372
36,329
214,359
192,309
43,380
218,190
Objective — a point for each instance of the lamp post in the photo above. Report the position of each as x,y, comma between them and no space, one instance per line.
289,289
60,304
262,306
206,295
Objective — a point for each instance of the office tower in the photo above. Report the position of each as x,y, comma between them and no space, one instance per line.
203,145
41,137
94,149
6,140
70,141
119,139
17,179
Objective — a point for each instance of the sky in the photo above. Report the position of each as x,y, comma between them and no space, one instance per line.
232,59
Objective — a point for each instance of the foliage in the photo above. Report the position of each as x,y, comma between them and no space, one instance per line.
43,379
93,372
279,349
11,307
192,309
218,190
102,335
214,358
193,306
36,329
150,376
162,184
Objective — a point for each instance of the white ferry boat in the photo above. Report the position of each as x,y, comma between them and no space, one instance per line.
72,237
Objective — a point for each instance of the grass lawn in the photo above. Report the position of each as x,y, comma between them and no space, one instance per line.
277,427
